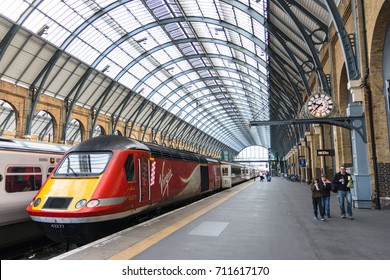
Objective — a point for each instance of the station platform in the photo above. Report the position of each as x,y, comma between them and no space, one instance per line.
253,221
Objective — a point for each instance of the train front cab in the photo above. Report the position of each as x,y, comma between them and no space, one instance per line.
127,174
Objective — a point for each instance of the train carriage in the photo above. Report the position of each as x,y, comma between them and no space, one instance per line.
24,167
102,183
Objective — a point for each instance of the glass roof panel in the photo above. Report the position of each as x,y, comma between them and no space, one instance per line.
129,40
14,8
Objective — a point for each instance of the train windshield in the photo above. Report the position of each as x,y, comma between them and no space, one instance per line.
83,164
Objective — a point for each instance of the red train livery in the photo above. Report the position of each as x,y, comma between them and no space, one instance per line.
103,182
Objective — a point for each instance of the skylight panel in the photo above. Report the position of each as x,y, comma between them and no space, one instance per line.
202,29
259,30
56,34
119,57
36,21
183,79
162,56
152,81
83,51
222,49
14,8
128,80
243,20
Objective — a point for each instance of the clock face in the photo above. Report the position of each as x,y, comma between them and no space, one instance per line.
320,105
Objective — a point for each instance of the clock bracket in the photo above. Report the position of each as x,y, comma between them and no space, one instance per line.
356,123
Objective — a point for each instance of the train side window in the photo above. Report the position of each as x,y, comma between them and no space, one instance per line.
20,179
129,168
49,171
225,171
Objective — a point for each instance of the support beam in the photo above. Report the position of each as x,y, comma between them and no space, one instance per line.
356,123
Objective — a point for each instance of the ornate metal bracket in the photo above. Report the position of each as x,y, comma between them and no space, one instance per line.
356,122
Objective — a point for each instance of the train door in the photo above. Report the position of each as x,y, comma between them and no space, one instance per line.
217,176
204,178
226,176
144,180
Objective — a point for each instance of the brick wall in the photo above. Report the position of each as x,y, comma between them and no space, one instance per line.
384,184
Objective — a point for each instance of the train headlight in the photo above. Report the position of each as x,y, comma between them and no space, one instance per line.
37,201
93,203
81,203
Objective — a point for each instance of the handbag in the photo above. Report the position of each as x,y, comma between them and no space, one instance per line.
350,183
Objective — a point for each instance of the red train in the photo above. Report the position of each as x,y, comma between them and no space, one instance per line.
103,182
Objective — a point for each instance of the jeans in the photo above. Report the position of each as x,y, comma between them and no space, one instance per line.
341,195
318,206
326,204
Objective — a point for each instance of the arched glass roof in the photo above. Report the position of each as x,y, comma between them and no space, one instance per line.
202,68
155,47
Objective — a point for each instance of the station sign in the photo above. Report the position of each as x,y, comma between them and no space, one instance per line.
326,152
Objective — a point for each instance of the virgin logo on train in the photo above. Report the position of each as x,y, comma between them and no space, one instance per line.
164,179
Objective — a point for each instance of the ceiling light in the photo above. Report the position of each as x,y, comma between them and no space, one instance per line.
43,30
105,69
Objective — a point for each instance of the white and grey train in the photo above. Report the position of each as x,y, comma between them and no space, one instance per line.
24,167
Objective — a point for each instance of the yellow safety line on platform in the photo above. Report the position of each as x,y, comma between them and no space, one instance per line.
141,246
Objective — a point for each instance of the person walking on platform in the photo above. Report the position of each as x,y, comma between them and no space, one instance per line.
325,187
340,182
261,177
317,197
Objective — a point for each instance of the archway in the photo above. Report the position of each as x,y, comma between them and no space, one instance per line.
7,119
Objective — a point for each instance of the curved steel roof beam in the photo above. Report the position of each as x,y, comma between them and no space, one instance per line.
200,80
212,94
229,122
173,77
291,82
194,40
349,56
219,132
178,113
294,61
148,119
279,81
184,73
123,105
273,28
309,43
310,15
6,41
273,31
43,75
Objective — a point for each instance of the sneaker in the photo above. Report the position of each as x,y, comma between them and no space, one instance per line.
343,216
328,215
350,217
323,219
315,218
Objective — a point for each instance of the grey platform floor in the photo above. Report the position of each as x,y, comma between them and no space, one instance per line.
255,221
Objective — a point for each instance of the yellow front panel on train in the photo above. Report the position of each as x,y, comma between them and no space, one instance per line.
71,188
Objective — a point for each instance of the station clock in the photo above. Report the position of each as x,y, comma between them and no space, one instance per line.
320,105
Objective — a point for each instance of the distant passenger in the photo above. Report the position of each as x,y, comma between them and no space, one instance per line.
326,187
316,198
340,181
268,175
261,177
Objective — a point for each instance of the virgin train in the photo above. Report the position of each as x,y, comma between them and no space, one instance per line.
24,166
103,182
